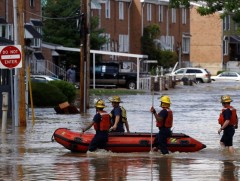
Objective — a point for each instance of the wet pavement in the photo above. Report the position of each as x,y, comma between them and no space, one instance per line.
29,154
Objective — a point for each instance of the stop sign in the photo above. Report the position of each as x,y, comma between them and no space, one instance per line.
10,56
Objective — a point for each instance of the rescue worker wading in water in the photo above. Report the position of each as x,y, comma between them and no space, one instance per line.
101,122
118,116
229,122
164,121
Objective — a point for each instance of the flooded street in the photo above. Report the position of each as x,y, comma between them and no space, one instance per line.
29,154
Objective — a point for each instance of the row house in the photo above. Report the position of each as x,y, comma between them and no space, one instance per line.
125,20
32,25
32,35
215,41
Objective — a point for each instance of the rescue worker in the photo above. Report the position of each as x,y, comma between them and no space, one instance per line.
229,122
101,122
118,116
164,121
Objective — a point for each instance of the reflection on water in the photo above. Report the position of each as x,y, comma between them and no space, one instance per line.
29,154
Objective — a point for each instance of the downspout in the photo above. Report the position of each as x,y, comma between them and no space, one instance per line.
129,23
143,4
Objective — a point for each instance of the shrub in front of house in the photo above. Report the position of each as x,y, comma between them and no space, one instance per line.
46,95
67,88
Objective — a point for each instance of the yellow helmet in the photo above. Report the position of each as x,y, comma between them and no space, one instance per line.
100,103
114,99
226,98
165,99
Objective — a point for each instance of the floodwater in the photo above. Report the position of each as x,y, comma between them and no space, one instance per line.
29,154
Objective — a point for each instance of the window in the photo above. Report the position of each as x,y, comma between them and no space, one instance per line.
186,45
121,11
123,43
160,13
184,16
36,42
149,12
106,46
226,22
107,9
32,3
173,15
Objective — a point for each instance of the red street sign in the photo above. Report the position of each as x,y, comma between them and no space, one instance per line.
10,56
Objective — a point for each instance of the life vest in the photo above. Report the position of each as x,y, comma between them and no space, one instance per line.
233,120
167,123
124,114
123,117
105,122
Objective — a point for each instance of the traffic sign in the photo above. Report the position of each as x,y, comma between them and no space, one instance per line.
10,56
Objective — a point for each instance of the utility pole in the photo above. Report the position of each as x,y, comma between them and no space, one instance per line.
85,54
21,83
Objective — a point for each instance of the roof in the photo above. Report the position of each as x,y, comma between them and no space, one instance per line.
4,41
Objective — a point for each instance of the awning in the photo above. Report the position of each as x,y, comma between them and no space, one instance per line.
2,21
39,56
234,39
36,23
31,32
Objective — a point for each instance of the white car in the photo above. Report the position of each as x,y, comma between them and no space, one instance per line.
42,78
226,76
202,75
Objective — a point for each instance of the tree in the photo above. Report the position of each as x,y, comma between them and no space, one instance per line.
62,21
165,58
231,7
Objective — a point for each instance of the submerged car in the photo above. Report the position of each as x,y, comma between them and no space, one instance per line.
202,75
226,76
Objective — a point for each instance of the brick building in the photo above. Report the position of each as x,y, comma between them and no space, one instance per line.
124,22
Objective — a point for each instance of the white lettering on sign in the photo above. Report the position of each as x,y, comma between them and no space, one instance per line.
10,61
10,56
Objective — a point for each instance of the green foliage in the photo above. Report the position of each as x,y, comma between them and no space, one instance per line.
168,59
60,22
220,71
211,6
68,89
46,95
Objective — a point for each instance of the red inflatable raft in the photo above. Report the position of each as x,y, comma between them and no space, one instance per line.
125,142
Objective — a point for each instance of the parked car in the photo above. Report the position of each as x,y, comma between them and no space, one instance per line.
43,78
227,76
110,75
202,74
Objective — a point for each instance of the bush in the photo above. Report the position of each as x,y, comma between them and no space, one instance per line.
46,95
68,89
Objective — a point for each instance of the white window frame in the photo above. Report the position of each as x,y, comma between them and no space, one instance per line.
36,42
123,43
184,16
226,23
149,12
32,3
160,13
174,16
107,45
186,44
225,46
107,9
121,10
